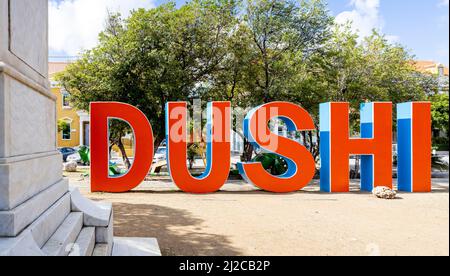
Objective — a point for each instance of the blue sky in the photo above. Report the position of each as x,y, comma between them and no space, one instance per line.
422,26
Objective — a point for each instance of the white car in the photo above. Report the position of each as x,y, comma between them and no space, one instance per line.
74,158
160,155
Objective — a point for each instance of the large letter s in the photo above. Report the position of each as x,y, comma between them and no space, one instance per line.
301,164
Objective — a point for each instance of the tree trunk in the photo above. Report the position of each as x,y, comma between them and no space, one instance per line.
111,145
125,158
157,142
305,142
356,171
316,152
310,137
248,151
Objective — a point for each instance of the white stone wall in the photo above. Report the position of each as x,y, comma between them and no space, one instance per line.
4,36
29,160
21,179
38,214
23,43
29,36
32,120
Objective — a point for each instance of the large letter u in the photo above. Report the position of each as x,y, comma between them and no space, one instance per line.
218,147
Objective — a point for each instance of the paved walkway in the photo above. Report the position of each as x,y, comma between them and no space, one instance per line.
241,220
164,184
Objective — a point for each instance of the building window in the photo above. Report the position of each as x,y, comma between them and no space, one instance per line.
65,99
66,131
441,70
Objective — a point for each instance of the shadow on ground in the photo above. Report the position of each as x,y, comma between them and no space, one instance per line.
441,188
177,231
314,188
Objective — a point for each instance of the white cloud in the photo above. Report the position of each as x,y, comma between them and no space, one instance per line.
443,20
365,17
74,25
442,49
443,3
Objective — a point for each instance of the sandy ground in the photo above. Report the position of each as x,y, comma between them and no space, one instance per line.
243,221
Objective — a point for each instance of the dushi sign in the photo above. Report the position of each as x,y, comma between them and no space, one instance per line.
374,145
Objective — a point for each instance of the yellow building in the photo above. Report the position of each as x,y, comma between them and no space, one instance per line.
76,123
436,69
76,128
431,67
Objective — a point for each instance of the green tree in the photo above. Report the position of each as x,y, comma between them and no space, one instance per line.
259,65
355,70
153,57
370,70
440,112
248,52
281,30
63,126
117,129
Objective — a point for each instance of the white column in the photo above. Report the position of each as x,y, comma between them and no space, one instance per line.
28,154
30,166
84,118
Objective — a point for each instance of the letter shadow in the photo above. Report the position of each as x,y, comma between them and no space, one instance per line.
177,230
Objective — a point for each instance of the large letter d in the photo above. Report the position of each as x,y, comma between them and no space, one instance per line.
101,112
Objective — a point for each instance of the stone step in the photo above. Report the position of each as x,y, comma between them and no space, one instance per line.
84,245
47,224
61,242
14,221
23,245
105,234
96,214
136,247
103,250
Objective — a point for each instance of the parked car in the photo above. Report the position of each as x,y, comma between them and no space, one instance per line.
66,152
75,157
163,143
160,155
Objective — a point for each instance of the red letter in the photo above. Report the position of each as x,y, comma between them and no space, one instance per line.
375,146
414,147
100,114
301,164
218,147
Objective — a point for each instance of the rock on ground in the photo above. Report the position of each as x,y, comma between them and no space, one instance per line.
384,193
70,167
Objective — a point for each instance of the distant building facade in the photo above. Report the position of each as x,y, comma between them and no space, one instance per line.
76,130
77,122
442,74
436,69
